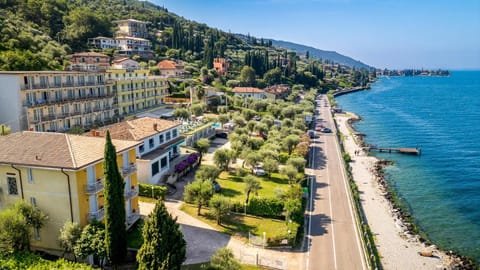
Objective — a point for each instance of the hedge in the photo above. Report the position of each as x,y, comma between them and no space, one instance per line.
265,207
152,191
27,260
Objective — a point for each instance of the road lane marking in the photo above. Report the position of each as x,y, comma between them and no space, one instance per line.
360,249
331,211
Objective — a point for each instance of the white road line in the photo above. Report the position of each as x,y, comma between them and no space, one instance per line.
331,211
350,203
311,206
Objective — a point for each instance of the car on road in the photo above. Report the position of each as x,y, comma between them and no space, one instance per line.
326,130
311,133
258,170
222,135
318,128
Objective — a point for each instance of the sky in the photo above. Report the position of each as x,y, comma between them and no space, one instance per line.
392,34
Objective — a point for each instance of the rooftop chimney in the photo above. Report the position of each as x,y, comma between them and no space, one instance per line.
155,126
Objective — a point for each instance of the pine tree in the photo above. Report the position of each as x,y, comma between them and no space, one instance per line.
163,244
115,231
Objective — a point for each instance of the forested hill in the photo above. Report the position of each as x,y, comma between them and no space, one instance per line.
320,54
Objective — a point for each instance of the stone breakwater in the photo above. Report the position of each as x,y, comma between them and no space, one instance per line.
403,218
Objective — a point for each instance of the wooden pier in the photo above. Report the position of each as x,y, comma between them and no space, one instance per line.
408,151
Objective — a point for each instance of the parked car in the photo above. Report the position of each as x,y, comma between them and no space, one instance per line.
257,118
311,133
222,135
258,170
318,128
326,130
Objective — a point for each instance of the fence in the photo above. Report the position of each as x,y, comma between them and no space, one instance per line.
262,259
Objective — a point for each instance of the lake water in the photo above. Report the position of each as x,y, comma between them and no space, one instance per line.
441,115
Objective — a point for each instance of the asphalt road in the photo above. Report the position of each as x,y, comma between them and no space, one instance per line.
333,238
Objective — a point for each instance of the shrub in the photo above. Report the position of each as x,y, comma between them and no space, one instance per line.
283,157
242,172
152,191
265,207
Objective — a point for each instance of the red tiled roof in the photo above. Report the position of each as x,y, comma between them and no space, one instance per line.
247,90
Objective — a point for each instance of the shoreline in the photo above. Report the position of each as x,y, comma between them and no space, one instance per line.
398,241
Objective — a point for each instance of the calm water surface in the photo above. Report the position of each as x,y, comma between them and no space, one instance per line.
441,115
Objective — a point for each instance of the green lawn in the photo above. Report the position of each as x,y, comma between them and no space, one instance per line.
240,225
233,186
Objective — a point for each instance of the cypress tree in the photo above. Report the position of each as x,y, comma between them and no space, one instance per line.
115,231
163,244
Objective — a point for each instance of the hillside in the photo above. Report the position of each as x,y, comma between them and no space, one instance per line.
320,54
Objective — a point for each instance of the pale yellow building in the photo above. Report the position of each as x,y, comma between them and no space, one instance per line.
62,174
136,90
55,100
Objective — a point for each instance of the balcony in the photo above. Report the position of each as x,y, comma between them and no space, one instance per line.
129,169
97,215
133,192
94,188
131,219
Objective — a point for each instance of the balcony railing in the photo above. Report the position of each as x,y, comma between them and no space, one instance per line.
131,193
94,188
129,169
131,219
98,215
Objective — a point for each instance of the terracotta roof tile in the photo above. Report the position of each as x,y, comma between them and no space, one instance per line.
55,150
247,90
135,130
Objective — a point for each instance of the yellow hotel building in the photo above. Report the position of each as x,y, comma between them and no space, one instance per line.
62,174
136,90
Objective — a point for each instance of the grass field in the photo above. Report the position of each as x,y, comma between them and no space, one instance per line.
240,225
233,186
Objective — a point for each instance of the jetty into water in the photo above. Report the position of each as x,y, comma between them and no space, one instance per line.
408,151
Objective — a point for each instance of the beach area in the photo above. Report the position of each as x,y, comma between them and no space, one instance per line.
397,246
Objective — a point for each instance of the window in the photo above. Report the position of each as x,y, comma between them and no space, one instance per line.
150,143
30,175
141,149
12,186
174,133
161,138
33,201
167,135
155,168
163,162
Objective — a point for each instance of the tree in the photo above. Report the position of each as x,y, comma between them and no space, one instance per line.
270,166
92,242
202,146
224,259
222,158
14,232
163,244
223,118
115,231
252,185
252,159
220,207
34,218
197,109
69,235
199,192
290,172
181,113
207,172
290,142
297,162
247,76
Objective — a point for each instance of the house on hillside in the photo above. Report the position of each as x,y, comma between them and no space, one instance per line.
158,141
171,68
278,91
247,92
131,28
62,174
125,63
220,65
84,61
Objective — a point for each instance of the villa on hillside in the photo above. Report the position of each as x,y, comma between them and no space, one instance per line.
278,91
84,61
62,174
220,65
171,68
125,63
247,92
158,141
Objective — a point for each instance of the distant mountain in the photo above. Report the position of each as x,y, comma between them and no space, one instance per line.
320,54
